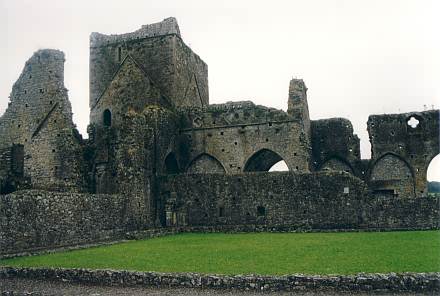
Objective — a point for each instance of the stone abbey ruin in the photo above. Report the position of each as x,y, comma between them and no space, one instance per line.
159,156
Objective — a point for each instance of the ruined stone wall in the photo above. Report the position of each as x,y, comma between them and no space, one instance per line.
39,117
12,169
130,90
297,105
243,137
402,147
33,219
325,200
335,147
5,169
127,157
177,72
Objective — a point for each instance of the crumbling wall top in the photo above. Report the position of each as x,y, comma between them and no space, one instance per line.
232,113
165,27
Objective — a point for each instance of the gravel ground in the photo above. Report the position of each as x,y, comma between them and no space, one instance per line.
18,287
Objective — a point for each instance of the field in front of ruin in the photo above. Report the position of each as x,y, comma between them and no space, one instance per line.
258,253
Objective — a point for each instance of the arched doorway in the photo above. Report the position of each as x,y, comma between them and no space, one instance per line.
433,175
264,160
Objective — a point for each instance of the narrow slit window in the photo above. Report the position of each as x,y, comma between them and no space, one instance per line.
107,117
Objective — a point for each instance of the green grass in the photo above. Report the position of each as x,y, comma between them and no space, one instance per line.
259,253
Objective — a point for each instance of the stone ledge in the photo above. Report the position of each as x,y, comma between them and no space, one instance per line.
392,282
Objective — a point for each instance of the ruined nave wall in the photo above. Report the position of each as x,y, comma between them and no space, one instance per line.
241,137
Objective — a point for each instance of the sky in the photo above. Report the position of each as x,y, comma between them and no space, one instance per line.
357,57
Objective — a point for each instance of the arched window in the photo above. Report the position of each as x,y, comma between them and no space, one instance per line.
107,117
171,165
263,161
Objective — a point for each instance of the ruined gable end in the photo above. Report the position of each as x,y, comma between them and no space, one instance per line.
39,117
131,89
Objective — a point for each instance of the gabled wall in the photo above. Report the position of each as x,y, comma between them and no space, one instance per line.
39,117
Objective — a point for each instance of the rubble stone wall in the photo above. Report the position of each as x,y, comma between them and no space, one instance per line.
33,219
411,137
388,283
244,137
327,200
39,117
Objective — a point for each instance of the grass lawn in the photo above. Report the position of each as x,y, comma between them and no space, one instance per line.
259,253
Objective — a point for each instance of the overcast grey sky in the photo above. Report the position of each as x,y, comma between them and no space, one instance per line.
357,57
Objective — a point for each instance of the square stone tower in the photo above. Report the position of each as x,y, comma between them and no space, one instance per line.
167,71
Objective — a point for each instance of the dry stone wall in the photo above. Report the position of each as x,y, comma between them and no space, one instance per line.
389,283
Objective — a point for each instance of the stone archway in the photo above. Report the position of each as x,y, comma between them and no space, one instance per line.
205,164
392,174
262,161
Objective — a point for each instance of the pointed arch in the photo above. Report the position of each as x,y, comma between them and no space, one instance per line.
205,164
171,165
391,172
336,163
432,170
433,175
262,161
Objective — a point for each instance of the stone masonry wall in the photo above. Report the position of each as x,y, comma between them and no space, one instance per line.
327,200
335,146
39,117
422,283
34,219
240,133
413,138
127,157
179,74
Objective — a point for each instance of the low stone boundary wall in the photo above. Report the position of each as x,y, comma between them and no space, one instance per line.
405,282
